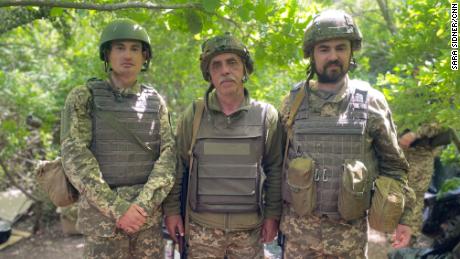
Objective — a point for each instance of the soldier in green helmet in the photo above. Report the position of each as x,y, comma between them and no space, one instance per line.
118,150
229,152
341,141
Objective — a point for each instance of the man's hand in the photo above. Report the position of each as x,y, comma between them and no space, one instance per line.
402,236
269,230
133,219
406,140
174,225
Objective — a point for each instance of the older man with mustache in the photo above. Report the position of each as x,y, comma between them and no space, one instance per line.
233,157
341,142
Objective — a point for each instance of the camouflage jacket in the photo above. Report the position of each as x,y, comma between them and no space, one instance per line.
99,205
271,163
380,128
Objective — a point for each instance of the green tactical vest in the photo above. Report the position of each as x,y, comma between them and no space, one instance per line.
226,173
330,141
122,162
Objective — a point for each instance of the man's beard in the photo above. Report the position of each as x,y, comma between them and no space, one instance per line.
333,77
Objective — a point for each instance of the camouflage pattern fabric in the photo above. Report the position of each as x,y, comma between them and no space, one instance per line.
70,212
421,169
99,205
332,238
320,237
215,243
272,162
421,161
144,244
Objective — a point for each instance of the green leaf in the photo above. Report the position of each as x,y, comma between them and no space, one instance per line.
244,12
260,12
56,11
210,5
194,21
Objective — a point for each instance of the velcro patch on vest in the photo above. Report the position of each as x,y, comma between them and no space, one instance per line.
226,149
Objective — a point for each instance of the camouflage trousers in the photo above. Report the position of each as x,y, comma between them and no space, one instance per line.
211,243
419,176
320,237
147,243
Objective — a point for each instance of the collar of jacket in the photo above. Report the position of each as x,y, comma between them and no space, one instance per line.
213,106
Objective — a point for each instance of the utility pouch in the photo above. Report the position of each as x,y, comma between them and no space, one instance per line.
354,194
301,185
387,204
51,178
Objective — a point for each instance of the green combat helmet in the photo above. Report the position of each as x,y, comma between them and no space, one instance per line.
331,24
124,29
224,44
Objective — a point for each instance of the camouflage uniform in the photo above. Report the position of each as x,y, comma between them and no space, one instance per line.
330,129
235,234
99,205
421,161
319,236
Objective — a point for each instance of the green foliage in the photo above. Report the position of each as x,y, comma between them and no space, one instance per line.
44,59
449,185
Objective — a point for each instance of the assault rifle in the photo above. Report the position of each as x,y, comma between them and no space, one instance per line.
199,108
281,240
183,209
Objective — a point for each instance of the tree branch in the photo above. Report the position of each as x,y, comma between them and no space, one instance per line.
386,15
19,17
15,184
98,7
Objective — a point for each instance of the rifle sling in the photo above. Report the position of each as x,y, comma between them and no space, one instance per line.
199,108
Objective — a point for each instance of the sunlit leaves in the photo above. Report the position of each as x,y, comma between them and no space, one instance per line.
210,5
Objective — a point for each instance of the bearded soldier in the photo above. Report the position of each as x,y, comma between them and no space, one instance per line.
341,138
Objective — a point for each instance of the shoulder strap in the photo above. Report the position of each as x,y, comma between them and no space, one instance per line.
199,108
295,106
291,117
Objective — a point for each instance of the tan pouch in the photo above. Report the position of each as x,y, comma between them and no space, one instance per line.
354,194
301,185
51,178
387,204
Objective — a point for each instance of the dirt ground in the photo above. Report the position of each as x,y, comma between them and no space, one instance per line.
52,243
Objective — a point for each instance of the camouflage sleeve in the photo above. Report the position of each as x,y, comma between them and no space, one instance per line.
429,130
79,163
284,110
161,178
171,205
390,158
381,128
272,162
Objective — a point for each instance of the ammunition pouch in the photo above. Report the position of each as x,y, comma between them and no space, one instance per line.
387,204
354,195
301,185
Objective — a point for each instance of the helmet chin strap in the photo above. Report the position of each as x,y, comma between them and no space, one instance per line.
245,76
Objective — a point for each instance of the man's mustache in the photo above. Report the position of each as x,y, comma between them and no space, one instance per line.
335,62
227,78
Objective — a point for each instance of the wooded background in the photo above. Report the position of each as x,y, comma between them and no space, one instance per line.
49,47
